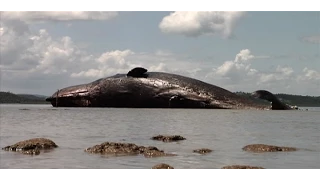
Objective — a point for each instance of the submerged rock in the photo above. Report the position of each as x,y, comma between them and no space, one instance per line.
162,166
168,138
31,152
241,167
115,148
266,148
31,146
202,151
156,153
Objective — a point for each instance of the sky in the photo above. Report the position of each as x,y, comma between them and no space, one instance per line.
239,51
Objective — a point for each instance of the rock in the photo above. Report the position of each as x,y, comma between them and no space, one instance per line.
266,148
152,151
202,151
31,152
241,167
31,146
162,166
114,148
156,153
168,138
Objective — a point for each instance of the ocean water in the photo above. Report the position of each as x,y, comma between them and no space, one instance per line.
223,131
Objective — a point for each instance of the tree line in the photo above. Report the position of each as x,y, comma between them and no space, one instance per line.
294,100
11,98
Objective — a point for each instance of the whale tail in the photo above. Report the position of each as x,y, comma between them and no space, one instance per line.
276,104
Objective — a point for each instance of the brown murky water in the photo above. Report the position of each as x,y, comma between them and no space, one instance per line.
223,131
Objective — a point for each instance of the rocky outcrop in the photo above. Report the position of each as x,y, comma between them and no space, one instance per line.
266,148
31,146
115,148
162,166
202,151
168,138
241,167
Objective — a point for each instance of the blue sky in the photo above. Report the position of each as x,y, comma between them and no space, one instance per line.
239,51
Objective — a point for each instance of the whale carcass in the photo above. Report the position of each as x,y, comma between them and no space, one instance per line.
142,89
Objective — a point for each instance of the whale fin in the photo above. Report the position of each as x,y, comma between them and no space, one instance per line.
276,104
137,72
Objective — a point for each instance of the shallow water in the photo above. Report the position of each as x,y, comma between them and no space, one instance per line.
223,131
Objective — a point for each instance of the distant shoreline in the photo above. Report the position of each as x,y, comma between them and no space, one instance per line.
294,100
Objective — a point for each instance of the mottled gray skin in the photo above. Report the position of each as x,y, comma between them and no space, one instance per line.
276,104
150,90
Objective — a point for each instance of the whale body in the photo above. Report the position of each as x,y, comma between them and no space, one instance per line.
142,89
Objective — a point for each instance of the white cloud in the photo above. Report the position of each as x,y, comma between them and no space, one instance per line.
121,61
14,41
309,74
312,39
55,56
107,64
281,73
243,56
26,56
239,71
196,23
41,16
161,67
238,68
240,75
36,62
286,71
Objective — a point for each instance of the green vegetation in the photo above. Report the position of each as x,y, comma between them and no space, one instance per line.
294,100
10,98
302,101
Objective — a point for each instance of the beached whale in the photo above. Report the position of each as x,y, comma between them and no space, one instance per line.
141,89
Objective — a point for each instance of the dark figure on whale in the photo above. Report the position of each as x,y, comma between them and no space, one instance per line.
141,89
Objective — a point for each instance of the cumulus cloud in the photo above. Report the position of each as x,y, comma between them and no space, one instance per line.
281,73
121,61
14,39
312,39
239,75
55,56
196,23
234,70
308,82
310,74
37,62
108,63
239,71
41,16
37,52
26,56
